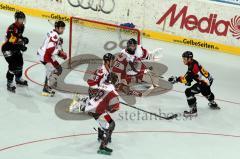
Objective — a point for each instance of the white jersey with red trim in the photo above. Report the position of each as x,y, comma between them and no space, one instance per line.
105,101
140,53
50,47
99,76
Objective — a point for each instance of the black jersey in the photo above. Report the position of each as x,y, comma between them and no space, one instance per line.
13,38
195,73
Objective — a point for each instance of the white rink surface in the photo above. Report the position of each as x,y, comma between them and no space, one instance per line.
31,129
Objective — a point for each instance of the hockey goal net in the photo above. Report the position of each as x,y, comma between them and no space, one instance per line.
90,37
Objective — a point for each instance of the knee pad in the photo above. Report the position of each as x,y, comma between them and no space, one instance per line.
107,133
10,75
111,125
18,72
191,101
52,81
210,97
188,92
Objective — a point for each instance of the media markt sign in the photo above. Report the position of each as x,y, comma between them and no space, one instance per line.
192,22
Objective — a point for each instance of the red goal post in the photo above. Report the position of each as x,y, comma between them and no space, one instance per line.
97,37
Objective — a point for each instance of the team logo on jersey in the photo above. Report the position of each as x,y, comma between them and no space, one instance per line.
235,27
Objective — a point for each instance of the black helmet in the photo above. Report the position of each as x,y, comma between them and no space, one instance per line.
187,54
19,15
131,42
108,57
59,24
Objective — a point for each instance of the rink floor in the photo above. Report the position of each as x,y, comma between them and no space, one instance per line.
32,128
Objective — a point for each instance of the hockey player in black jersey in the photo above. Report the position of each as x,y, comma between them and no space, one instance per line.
12,49
203,84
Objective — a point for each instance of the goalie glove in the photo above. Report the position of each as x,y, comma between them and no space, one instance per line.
155,55
173,79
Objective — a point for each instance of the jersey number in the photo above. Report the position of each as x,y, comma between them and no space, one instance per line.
117,64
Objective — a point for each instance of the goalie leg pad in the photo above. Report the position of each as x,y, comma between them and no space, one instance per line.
52,82
124,88
150,78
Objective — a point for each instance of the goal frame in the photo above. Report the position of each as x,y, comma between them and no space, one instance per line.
96,22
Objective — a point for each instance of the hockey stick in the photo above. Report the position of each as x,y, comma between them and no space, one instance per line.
154,55
166,118
50,21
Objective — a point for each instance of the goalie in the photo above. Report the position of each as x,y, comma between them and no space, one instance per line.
101,74
100,106
132,56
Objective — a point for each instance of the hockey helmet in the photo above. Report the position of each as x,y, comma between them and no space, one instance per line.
59,24
131,42
19,15
108,57
187,54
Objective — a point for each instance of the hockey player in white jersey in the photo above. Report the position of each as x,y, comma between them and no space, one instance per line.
132,56
100,75
51,48
100,106
135,55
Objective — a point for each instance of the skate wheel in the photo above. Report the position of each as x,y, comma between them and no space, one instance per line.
104,152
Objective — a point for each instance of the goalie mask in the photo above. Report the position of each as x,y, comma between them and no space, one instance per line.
131,46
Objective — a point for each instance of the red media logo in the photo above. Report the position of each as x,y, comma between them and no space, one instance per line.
235,27
209,25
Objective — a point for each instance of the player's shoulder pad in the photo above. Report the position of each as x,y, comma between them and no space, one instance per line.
100,70
11,27
54,36
22,28
123,51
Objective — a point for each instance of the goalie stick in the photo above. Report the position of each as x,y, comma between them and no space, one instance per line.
166,118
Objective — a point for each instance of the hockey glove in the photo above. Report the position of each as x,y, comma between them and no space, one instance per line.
25,40
23,48
60,41
62,54
172,79
210,79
